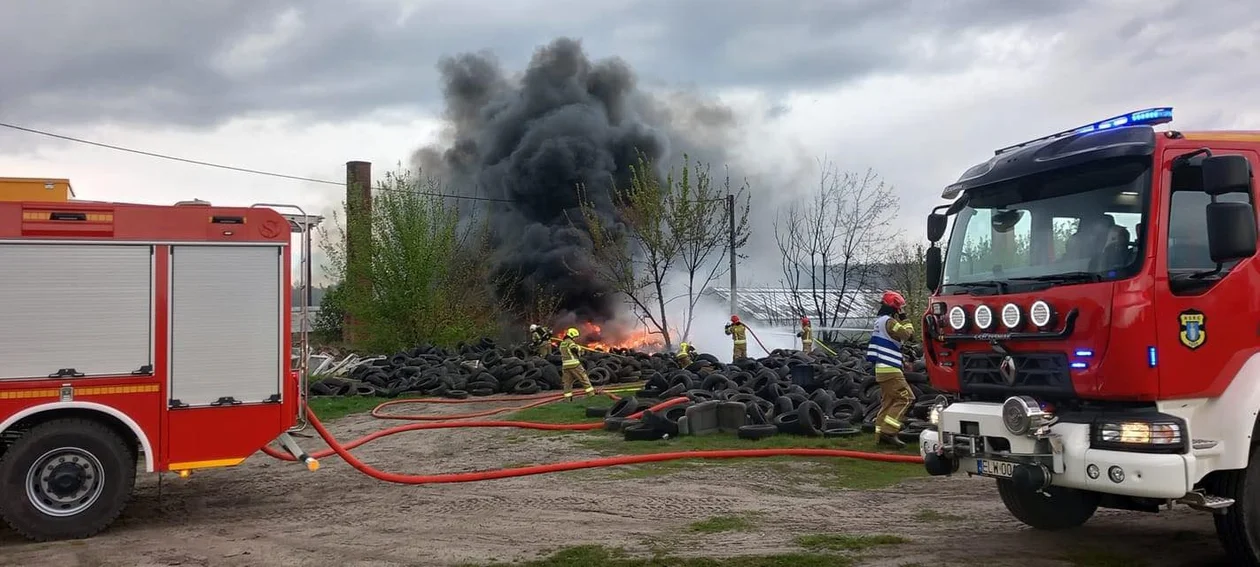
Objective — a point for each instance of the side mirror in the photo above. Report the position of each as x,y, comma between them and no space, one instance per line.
932,265
936,227
1231,231
1226,174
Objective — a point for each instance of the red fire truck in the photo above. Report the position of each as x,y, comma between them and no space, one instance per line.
138,336
1095,312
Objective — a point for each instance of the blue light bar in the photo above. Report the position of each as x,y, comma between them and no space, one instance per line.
1079,365
1084,352
1149,117
1150,356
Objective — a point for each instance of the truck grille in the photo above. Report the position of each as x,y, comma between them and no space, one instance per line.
1042,375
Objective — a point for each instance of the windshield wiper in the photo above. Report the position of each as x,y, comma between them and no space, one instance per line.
970,287
1066,277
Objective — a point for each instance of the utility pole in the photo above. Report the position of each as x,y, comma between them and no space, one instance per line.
730,216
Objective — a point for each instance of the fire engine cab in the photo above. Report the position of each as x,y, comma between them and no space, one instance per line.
1095,311
138,336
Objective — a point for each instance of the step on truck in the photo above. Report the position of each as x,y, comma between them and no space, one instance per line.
139,337
1095,312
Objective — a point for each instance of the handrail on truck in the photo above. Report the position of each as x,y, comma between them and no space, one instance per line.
302,223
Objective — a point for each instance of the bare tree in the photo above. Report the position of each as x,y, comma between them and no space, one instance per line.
698,219
906,272
635,259
832,241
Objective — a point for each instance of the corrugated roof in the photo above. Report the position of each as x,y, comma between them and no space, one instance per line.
780,305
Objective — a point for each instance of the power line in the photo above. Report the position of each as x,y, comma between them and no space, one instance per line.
232,167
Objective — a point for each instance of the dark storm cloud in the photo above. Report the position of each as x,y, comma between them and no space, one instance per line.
170,62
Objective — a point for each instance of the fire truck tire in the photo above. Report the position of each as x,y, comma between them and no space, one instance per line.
1057,509
1238,529
89,458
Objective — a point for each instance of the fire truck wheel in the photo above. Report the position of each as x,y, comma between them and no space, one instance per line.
65,479
1239,527
1058,509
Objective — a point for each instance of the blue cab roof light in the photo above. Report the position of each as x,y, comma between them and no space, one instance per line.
1149,117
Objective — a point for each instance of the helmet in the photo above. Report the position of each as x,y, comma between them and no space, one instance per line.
804,320
682,347
734,318
572,333
894,299
533,327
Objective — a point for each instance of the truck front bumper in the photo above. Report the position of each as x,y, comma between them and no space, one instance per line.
971,437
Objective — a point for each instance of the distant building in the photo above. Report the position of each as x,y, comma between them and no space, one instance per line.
783,307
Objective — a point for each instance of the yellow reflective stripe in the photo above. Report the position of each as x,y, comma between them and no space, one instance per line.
568,394
589,390
205,464
885,369
572,363
88,391
890,421
740,341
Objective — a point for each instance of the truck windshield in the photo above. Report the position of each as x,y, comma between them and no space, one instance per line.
1079,225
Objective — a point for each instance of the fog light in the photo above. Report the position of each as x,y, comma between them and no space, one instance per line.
1116,474
934,414
1092,471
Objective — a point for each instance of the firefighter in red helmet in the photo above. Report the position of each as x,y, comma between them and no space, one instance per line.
890,330
806,335
737,332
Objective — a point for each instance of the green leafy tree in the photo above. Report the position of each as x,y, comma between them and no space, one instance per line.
420,279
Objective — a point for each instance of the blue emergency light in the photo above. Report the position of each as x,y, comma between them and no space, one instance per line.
1148,117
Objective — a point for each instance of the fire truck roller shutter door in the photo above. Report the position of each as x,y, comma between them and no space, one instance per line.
86,307
226,304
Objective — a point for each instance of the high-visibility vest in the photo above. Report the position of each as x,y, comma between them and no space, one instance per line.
883,349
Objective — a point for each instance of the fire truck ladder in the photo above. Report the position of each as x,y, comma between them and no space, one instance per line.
303,224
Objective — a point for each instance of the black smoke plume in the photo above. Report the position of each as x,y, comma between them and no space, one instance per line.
532,140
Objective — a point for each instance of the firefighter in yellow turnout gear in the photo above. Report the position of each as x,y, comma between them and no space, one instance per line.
571,366
891,329
806,335
737,331
685,351
540,339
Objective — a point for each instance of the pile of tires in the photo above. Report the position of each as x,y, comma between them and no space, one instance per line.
841,399
481,369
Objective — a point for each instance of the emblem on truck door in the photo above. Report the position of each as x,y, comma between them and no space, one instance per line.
1007,370
1193,328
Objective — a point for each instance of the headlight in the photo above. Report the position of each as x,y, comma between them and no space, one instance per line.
957,318
1011,316
1040,313
1162,434
984,317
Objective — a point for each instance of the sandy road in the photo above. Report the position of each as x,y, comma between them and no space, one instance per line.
270,513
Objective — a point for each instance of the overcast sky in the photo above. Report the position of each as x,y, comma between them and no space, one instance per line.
917,90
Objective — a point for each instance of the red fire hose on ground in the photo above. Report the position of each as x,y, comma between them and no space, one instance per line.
451,421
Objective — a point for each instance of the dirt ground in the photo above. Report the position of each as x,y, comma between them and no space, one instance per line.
270,513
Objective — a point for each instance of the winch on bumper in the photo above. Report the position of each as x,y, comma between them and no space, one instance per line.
1136,454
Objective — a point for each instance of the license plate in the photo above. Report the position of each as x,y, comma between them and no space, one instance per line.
995,469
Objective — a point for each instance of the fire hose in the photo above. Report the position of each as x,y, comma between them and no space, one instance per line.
446,422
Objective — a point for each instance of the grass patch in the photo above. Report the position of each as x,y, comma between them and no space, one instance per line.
719,524
592,555
934,516
563,412
1101,558
336,407
843,542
